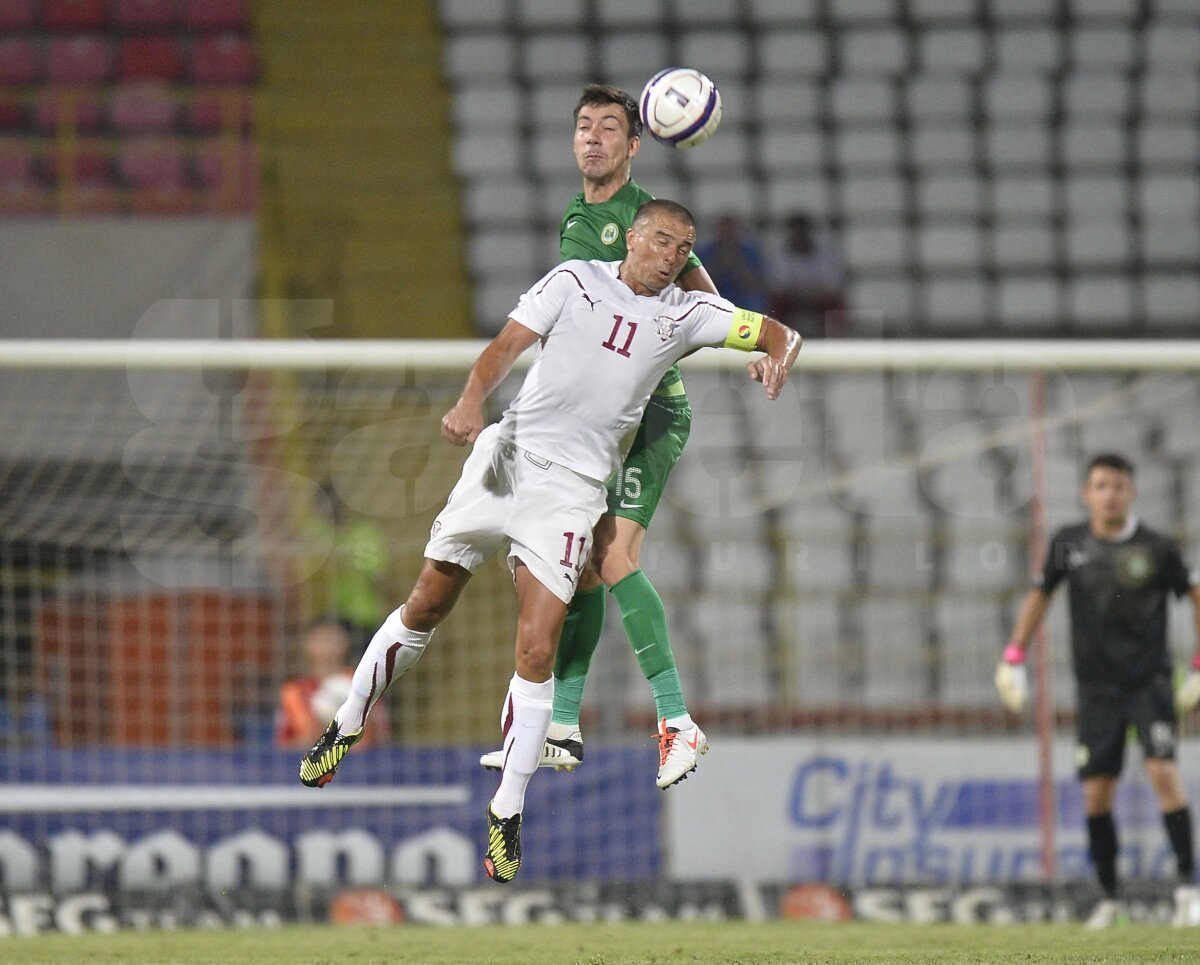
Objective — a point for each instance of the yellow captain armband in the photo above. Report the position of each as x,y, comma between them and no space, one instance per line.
743,333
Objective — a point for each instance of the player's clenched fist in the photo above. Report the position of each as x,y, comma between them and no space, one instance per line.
462,424
1011,679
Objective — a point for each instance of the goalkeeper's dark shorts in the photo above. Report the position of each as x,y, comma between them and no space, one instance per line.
1107,713
638,485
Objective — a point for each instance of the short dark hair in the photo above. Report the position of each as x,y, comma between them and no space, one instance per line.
672,208
594,94
1109,460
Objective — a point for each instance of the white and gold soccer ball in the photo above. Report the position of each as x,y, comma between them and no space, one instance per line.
680,107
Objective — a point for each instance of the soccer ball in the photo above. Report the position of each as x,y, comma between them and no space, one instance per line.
680,107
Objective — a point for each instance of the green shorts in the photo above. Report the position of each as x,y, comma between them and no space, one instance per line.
638,485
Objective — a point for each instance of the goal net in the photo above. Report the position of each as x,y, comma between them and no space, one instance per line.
840,570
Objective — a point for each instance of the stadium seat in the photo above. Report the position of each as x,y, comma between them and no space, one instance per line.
228,173
1018,145
942,145
54,107
631,53
950,194
74,15
870,148
554,58
1173,43
874,51
735,653
150,58
506,250
1168,143
212,109
950,246
624,13
24,199
88,163
224,59
1018,96
811,629
790,103
478,57
19,61
1100,302
895,646
806,193
216,14
149,15
785,53
16,162
143,108
787,151
1172,299
80,59
13,115
724,54
1098,243
17,15
1165,234
1098,96
857,100
470,15
1021,49
969,628
499,105
1169,94
939,97
151,162
1106,47
1029,300
1022,246
956,305
873,196
875,246
958,50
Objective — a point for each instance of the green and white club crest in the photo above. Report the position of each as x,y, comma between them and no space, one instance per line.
610,233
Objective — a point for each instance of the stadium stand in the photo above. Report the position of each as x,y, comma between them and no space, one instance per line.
991,168
116,72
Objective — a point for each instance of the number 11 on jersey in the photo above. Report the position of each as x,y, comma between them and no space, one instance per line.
611,342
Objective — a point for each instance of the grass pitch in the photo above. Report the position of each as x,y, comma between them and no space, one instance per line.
660,944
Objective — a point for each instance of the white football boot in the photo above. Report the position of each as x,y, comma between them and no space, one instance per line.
678,751
1187,907
563,750
1106,914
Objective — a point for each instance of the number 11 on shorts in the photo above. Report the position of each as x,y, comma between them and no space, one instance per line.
575,548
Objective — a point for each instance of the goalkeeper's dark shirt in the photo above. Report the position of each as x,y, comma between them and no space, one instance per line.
1118,596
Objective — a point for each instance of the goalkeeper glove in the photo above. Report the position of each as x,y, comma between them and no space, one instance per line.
1011,680
1187,697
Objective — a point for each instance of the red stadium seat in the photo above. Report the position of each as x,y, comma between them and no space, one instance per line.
56,106
139,15
16,14
215,109
224,59
150,58
216,14
18,61
87,163
81,59
229,175
24,199
73,14
163,200
90,198
12,111
16,163
143,108
152,163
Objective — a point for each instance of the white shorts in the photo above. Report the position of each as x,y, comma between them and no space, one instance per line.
544,512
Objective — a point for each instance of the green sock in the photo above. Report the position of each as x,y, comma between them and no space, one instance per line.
580,635
645,622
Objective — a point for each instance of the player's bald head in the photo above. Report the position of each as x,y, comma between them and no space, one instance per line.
665,208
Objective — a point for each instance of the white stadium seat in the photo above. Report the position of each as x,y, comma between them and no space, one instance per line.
633,52
875,51
1018,96
955,304
1106,46
790,52
1093,243
939,96
1101,302
1021,49
719,54
1023,246
478,56
952,49
538,14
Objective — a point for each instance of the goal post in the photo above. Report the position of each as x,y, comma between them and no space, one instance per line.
840,570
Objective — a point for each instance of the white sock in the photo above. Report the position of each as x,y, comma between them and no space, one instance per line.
525,721
390,654
684,722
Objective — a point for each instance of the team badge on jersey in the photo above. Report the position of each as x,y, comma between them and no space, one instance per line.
665,326
610,233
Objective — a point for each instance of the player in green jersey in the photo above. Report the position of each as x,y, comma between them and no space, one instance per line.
607,138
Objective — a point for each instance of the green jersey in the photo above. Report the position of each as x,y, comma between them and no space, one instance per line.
596,232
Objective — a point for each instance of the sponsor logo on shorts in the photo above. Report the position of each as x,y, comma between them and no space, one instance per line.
435,528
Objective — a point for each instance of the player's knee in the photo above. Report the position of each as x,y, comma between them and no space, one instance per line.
423,611
535,657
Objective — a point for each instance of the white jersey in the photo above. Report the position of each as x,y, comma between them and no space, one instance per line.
603,351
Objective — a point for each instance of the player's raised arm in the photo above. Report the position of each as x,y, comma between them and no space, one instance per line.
782,345
463,423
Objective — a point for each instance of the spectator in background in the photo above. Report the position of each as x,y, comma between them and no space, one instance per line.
308,702
808,287
351,582
736,265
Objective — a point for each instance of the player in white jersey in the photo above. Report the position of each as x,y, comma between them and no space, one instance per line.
535,481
